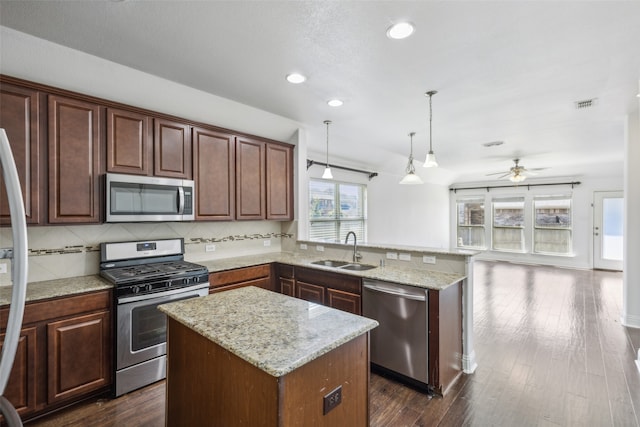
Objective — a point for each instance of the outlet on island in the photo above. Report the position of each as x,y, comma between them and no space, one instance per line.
331,400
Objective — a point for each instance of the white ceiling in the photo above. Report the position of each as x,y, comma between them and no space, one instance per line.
507,71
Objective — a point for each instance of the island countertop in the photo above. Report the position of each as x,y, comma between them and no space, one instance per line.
273,332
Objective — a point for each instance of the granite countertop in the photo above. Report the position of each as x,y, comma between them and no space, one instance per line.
274,332
403,275
57,288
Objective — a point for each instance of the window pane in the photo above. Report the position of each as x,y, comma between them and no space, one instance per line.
351,203
355,226
471,237
508,223
508,213
321,199
552,227
471,223
553,213
471,213
612,236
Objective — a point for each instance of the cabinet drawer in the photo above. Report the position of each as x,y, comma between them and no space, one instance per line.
239,275
284,270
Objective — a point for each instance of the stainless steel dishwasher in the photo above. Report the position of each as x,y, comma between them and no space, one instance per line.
399,343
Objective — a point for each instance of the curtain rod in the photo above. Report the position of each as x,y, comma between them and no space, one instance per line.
572,184
314,162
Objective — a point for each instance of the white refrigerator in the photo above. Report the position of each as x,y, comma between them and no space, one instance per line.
18,256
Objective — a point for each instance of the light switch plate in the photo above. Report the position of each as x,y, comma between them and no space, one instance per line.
210,248
320,248
428,259
405,257
303,246
392,255
267,243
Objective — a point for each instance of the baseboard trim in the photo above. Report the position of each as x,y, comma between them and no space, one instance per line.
469,364
630,321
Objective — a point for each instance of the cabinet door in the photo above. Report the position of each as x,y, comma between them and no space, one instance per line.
214,174
345,301
279,190
287,286
20,118
250,179
172,149
78,355
128,142
74,161
21,388
309,292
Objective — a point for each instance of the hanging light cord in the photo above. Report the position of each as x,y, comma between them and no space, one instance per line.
327,122
410,167
430,119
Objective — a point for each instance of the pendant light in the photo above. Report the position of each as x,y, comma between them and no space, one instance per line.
430,161
327,170
411,178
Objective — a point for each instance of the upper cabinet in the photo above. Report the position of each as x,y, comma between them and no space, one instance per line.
279,181
20,118
74,160
172,149
214,174
250,179
129,142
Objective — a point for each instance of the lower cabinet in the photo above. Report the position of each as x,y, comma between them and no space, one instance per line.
341,291
64,353
259,276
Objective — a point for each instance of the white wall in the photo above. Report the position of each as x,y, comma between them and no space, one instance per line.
582,217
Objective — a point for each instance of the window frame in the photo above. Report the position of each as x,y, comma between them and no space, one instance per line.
511,199
535,225
459,238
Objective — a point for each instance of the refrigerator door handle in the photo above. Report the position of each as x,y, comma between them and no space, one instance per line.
18,273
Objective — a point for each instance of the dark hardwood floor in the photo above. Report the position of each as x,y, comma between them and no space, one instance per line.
551,352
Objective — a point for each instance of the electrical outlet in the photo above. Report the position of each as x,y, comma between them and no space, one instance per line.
3,268
303,246
331,400
392,255
320,248
428,259
405,257
267,243
210,248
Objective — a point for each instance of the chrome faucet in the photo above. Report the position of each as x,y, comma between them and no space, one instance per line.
356,255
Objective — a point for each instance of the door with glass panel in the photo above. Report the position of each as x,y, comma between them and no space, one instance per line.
608,236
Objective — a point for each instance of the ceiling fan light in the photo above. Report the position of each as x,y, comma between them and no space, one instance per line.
327,173
430,161
517,178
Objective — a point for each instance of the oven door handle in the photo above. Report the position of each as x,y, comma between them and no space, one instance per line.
135,298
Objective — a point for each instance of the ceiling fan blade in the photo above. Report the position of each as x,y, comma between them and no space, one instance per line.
504,175
497,173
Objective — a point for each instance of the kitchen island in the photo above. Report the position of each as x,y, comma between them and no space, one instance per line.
253,357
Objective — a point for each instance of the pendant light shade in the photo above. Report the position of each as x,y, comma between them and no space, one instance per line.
411,178
327,170
430,161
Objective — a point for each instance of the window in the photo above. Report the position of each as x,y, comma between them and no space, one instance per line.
508,224
471,223
335,209
552,227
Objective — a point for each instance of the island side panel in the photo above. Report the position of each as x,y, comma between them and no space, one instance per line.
302,390
207,385
445,337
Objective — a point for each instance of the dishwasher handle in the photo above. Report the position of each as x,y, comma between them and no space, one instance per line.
395,293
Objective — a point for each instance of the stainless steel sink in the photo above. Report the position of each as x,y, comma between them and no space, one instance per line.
357,267
330,263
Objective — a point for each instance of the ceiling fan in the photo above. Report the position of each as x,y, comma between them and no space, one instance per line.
517,172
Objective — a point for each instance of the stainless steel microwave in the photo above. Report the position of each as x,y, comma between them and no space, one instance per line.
133,198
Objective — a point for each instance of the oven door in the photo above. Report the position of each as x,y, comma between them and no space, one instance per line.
141,331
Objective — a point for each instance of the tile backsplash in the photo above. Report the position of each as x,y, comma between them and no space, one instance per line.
69,251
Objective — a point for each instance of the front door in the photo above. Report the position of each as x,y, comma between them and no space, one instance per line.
608,236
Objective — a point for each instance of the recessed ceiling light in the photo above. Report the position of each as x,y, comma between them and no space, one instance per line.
295,78
401,30
335,103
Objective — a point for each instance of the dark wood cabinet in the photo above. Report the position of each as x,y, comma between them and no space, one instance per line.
285,279
20,118
77,357
309,292
172,149
279,182
250,179
214,174
74,160
129,142
64,353
21,388
345,301
259,275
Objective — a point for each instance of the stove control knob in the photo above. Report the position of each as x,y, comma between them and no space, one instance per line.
135,289
196,279
148,288
168,284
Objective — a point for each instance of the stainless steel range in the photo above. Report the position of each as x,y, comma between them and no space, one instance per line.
146,274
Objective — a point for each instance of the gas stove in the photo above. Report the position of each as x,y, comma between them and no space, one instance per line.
140,268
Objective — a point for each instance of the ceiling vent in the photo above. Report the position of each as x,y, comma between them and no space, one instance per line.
585,103
492,143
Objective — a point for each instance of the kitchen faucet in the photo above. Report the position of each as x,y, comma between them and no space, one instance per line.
356,255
